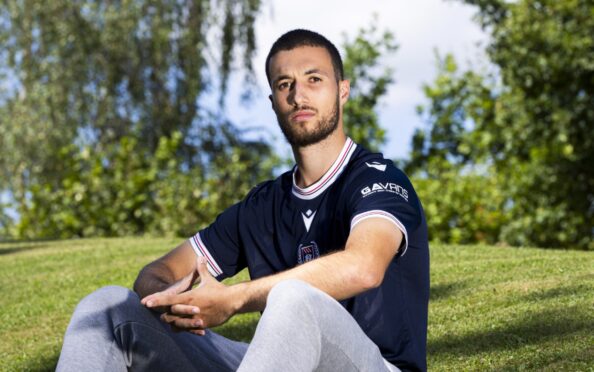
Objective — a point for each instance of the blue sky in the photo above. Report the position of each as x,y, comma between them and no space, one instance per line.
421,27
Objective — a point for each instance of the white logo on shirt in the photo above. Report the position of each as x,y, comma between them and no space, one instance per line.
379,166
385,187
308,217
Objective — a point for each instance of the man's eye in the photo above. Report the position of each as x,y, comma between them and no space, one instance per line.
315,79
283,85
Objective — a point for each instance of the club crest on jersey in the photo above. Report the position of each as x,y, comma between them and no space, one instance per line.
307,252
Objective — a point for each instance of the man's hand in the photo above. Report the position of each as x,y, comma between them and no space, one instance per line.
208,305
182,285
168,271
371,247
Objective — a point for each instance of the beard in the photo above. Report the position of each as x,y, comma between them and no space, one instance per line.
299,136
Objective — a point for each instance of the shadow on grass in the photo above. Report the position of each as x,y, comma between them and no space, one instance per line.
11,250
572,360
531,328
45,364
445,290
557,292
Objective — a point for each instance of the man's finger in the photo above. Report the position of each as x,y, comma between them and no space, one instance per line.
184,283
161,299
188,323
147,299
182,322
167,318
181,309
178,287
203,270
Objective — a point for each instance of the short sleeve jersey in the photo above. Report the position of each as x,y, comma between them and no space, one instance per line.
279,226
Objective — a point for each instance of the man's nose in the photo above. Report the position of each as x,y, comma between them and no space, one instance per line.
298,94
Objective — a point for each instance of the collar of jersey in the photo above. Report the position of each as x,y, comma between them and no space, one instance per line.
316,189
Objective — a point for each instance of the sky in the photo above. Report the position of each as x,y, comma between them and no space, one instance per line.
420,27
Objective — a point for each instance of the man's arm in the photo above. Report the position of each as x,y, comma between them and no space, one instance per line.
371,246
361,266
179,265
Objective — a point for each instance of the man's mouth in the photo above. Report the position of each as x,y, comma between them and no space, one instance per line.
302,115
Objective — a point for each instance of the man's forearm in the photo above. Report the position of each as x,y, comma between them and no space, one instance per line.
167,270
153,278
337,274
344,274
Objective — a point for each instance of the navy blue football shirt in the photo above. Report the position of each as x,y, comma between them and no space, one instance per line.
279,225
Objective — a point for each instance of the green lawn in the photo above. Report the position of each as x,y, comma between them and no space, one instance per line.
491,308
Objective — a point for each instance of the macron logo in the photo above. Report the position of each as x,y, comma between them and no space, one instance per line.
308,217
379,166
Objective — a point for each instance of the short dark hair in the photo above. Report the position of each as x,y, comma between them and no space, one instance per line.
300,37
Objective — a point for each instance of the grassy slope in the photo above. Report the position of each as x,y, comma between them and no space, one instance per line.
491,308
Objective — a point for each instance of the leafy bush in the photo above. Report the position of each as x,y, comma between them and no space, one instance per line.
462,209
122,191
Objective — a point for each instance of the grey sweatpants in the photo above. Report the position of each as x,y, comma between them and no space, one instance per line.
302,329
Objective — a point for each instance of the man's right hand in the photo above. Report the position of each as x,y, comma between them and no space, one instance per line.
175,272
182,285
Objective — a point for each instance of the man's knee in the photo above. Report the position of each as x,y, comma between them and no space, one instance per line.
295,293
108,298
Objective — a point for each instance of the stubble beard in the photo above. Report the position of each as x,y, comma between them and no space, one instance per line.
296,136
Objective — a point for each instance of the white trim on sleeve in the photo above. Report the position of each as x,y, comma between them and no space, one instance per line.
377,213
200,250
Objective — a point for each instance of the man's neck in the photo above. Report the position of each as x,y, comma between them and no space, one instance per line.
315,160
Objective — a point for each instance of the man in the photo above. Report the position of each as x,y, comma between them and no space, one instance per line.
344,225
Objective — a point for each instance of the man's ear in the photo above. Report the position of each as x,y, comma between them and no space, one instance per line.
344,90
271,100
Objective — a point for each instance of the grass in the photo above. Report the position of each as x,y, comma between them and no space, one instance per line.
491,308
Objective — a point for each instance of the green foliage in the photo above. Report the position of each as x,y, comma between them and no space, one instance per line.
5,223
100,193
464,199
544,117
455,100
463,208
88,69
528,123
369,83
186,201
123,190
103,128
492,308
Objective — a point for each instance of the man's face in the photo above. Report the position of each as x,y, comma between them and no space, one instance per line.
305,95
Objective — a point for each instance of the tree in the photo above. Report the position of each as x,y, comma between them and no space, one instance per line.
456,100
544,121
113,92
461,192
534,119
94,72
106,79
369,83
